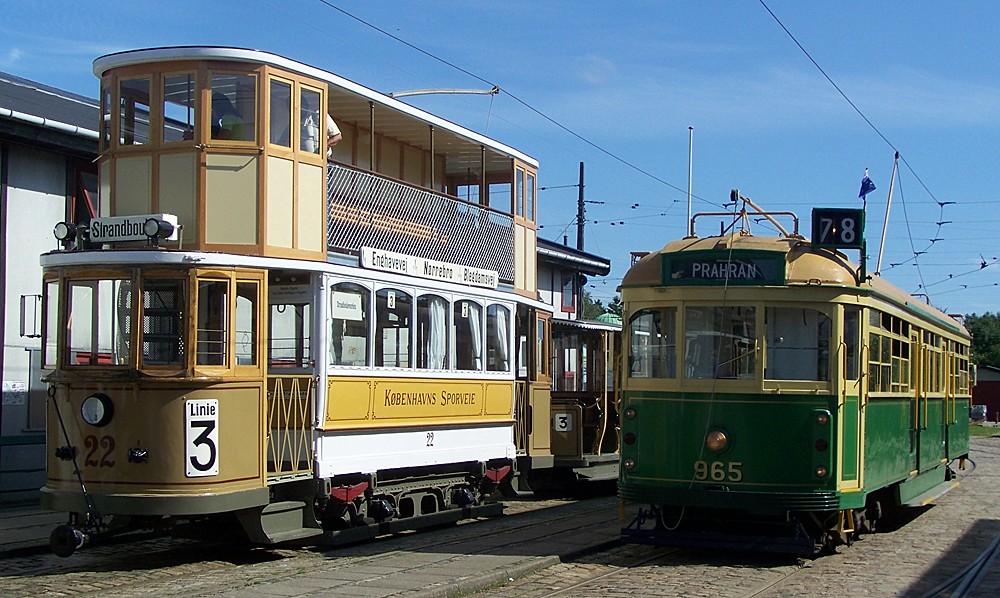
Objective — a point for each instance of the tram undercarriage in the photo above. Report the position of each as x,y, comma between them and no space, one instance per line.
806,533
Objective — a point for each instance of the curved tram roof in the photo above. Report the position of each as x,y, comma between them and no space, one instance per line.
804,265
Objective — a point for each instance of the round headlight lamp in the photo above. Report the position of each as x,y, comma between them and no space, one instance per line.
716,440
97,410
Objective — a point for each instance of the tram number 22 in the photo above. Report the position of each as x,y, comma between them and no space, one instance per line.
717,471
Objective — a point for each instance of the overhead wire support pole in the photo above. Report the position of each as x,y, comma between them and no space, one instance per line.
690,166
580,213
885,224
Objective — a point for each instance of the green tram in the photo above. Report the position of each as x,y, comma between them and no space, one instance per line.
776,398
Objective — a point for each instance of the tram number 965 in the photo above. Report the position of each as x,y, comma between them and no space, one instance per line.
717,471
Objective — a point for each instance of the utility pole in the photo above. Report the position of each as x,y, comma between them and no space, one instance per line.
580,217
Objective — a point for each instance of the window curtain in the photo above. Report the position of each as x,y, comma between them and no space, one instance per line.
476,330
437,333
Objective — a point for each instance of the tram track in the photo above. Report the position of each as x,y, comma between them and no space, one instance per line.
150,566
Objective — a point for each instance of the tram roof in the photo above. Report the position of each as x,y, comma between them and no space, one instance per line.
805,265
402,121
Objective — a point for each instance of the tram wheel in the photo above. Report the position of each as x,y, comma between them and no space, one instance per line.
65,540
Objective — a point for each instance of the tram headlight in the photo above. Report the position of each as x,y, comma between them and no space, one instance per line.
716,440
629,464
64,231
97,410
630,413
822,418
821,471
157,229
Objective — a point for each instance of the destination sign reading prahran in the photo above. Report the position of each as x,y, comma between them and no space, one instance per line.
388,261
744,267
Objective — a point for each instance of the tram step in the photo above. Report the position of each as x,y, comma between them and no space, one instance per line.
280,522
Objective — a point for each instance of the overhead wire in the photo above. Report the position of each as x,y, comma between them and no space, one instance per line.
864,117
518,100
941,204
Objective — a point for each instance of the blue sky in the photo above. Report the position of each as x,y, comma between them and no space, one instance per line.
627,79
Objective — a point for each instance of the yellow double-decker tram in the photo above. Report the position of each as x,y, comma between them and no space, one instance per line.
246,335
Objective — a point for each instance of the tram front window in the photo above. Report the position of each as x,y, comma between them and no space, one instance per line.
162,322
653,348
213,303
720,342
798,344
98,322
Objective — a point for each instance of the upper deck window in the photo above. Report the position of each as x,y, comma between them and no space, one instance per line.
309,121
280,120
133,111
178,107
234,105
105,117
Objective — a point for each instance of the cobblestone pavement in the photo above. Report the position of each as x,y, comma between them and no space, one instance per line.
909,560
550,548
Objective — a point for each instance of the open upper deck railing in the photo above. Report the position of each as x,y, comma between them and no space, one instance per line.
368,210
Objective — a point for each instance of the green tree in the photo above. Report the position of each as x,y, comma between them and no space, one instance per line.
591,308
615,306
985,331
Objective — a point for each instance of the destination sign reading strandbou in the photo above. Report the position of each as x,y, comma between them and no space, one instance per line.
715,268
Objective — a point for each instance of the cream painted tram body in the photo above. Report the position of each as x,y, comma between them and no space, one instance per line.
245,334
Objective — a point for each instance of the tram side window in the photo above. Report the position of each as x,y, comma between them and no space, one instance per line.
133,111
213,314
392,333
497,338
889,349
98,322
234,104
178,107
468,335
432,332
798,344
852,340
288,334
652,348
349,332
162,322
247,298
720,342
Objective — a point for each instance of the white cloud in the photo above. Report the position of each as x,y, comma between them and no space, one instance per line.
11,58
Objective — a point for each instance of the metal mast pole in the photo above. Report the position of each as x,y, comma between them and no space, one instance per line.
690,168
580,213
885,225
